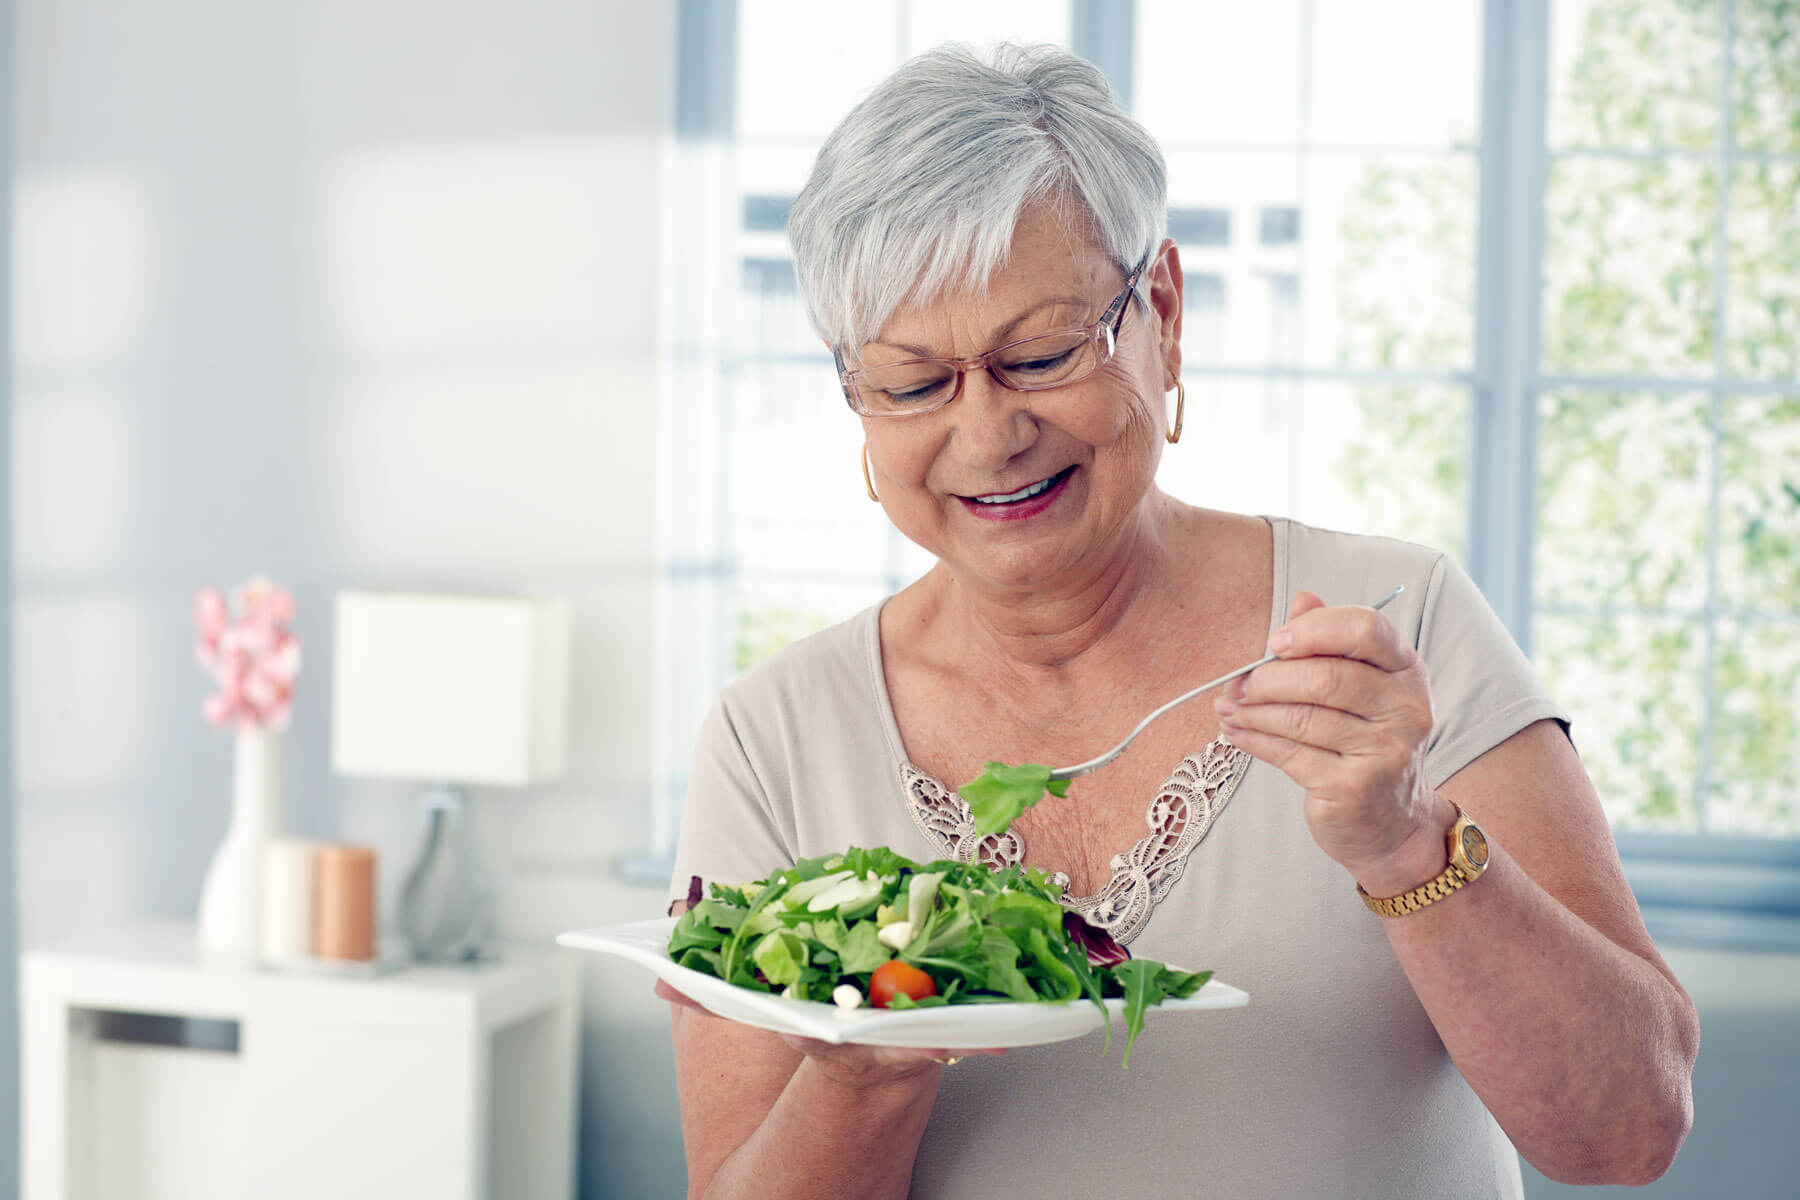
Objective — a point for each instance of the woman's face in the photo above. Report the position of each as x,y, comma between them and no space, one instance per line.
940,475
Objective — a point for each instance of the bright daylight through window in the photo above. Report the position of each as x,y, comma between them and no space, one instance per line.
1331,228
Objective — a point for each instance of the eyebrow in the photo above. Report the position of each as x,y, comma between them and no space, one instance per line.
999,337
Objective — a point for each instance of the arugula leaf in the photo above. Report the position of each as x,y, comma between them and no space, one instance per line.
1000,793
1179,985
1146,983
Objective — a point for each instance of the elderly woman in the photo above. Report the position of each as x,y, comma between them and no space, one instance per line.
981,244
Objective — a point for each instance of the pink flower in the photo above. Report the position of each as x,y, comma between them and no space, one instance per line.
254,660
220,709
262,603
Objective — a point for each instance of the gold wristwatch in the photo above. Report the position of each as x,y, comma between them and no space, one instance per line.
1468,859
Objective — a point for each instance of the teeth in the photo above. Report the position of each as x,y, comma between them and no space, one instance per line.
1024,493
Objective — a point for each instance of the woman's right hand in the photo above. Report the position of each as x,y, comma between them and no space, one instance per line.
852,1065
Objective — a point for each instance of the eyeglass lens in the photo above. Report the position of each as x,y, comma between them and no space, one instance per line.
1030,365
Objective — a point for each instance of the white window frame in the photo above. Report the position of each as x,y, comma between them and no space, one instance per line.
1708,888
9,990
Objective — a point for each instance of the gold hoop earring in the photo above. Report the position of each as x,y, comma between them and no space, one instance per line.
1174,434
868,484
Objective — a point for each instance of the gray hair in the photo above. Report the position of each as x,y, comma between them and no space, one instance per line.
922,184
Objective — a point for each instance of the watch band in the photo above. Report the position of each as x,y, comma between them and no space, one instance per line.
1419,897
1467,848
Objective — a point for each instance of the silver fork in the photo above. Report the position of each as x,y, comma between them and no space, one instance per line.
1094,764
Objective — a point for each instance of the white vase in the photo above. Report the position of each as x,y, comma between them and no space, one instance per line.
231,899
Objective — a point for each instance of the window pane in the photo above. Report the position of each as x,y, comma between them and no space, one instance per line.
1755,786
1623,488
1759,506
1390,261
770,611
1628,266
1212,72
1371,265
1635,74
1203,316
1396,72
1635,690
1389,459
768,316
1763,319
1280,226
1250,288
1198,227
1765,59
767,214
803,64
794,486
930,23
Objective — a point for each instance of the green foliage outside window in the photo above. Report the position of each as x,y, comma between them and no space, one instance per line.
763,631
1643,586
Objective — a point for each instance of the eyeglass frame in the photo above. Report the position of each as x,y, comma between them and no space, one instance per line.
1111,322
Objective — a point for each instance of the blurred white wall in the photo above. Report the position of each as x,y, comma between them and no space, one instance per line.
9,977
352,295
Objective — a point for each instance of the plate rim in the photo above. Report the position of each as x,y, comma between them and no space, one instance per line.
827,1023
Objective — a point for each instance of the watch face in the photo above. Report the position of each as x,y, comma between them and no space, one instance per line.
1475,846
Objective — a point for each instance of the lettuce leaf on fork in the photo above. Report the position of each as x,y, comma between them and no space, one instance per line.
1001,793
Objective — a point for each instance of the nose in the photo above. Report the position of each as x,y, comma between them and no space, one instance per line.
992,425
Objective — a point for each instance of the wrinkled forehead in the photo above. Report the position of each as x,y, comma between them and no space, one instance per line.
1055,271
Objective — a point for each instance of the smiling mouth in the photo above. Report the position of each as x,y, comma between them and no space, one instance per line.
1028,492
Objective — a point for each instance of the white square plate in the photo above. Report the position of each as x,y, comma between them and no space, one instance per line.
952,1027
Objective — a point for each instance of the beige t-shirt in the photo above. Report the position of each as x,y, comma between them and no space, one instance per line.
1332,1083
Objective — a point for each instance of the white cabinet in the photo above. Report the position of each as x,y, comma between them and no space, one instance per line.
148,1075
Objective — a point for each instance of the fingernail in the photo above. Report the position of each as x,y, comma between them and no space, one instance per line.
1224,705
1236,689
1281,641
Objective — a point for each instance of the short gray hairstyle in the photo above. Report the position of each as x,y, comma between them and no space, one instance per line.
922,184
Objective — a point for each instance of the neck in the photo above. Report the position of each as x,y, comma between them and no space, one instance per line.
1045,631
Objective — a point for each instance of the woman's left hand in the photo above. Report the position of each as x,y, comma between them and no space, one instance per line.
1346,713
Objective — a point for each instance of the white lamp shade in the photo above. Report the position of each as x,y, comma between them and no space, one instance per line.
454,689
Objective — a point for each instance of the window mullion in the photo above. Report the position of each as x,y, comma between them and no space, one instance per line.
1105,33
1721,330
1508,310
691,513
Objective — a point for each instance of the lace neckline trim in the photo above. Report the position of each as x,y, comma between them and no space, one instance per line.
1183,811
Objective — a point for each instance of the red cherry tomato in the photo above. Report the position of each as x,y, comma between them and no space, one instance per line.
895,976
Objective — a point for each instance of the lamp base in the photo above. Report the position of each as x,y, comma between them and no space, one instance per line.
446,903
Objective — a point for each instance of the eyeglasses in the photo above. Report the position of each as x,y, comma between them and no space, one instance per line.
1034,364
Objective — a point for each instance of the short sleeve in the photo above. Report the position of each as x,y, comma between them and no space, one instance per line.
728,830
1483,688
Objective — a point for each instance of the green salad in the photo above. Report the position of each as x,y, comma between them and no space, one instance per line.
871,927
